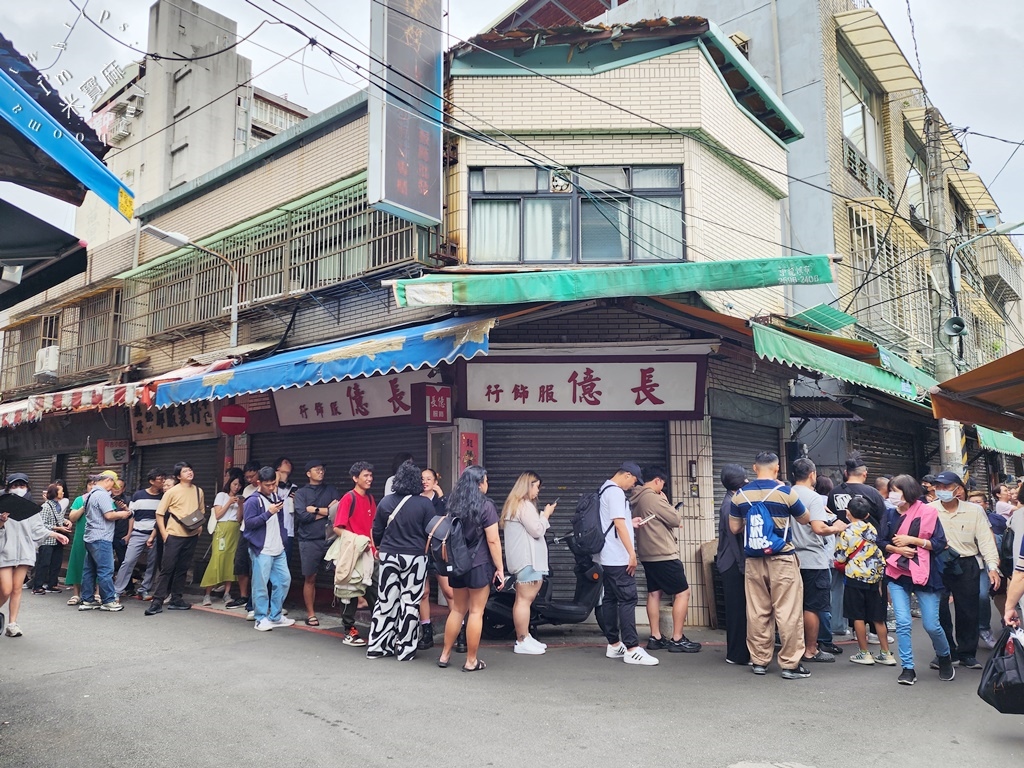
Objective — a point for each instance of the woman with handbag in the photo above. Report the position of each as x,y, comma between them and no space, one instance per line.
400,535
469,503
225,525
911,538
527,554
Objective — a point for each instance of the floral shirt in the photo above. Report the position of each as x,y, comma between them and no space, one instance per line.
867,563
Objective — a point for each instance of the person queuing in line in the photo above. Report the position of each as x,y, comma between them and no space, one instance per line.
315,506
397,460
526,554
912,537
863,566
227,511
356,511
76,558
51,551
122,526
400,535
1004,505
823,486
142,536
286,490
469,503
730,562
179,502
655,523
243,564
432,491
986,593
968,533
617,616
267,538
772,581
927,483
18,551
100,515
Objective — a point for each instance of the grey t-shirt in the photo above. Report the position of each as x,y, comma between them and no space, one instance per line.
97,527
811,549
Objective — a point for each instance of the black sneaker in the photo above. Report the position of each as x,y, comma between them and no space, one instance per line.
426,637
946,671
796,674
460,641
656,644
934,663
154,608
970,662
238,602
832,648
683,645
758,669
907,677
178,605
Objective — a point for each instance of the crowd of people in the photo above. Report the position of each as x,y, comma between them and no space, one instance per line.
800,564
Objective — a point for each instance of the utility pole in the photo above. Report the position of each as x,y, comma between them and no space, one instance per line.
949,431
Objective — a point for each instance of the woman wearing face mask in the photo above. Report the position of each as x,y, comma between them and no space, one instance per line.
911,536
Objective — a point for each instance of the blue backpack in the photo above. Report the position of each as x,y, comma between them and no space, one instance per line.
760,536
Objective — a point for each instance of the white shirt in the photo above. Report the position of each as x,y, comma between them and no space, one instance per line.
613,506
289,509
232,513
273,544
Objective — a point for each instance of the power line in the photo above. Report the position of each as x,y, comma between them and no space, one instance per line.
913,37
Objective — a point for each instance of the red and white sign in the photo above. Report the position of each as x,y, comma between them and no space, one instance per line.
233,420
438,404
378,397
584,386
113,451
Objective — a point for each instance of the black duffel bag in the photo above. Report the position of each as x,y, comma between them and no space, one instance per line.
1002,679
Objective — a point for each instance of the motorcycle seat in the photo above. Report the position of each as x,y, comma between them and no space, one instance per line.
568,613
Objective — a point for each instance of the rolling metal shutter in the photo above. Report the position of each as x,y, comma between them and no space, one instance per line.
885,451
572,458
39,470
76,474
737,442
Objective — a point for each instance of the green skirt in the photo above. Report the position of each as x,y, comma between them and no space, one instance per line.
76,560
222,562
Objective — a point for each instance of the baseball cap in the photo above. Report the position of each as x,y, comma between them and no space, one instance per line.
312,463
948,478
15,477
108,473
633,468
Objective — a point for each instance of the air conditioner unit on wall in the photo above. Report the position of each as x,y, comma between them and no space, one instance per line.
47,360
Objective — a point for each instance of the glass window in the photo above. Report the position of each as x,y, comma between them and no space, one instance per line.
862,123
917,189
495,231
476,181
658,228
603,177
510,180
604,230
656,178
547,231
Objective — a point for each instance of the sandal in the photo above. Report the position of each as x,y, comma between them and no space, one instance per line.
312,621
479,665
75,600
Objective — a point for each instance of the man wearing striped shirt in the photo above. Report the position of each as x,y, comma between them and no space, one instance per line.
142,535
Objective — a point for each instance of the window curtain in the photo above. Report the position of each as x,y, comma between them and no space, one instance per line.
494,233
658,224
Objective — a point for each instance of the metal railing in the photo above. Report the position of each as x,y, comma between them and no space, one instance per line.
325,243
1000,266
861,169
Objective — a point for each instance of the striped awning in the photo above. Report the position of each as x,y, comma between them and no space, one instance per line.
87,398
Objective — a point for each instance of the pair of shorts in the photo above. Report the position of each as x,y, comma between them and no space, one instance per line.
311,556
478,577
863,602
817,589
243,565
665,576
529,574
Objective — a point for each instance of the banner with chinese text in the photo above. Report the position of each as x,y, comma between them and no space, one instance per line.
377,397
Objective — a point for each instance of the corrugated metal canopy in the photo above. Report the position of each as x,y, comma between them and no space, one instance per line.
972,189
867,34
952,153
991,395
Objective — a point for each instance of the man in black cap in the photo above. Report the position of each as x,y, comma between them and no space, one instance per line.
315,504
967,532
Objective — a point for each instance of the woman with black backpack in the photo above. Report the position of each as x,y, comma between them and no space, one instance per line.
479,517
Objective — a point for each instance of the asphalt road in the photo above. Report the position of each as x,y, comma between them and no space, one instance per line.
202,688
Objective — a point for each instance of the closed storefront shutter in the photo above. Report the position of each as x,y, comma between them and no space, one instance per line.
737,442
885,451
76,474
39,470
572,458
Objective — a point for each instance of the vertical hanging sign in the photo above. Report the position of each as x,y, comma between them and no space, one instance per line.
406,46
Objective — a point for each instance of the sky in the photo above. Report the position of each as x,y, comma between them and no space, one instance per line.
968,56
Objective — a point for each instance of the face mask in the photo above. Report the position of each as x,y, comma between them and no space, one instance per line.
19,491
896,497
944,495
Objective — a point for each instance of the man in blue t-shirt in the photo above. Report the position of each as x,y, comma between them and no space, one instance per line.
100,516
773,584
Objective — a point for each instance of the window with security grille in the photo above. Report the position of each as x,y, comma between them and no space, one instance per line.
586,215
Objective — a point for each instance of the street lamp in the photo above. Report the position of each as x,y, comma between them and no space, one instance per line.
1002,229
181,241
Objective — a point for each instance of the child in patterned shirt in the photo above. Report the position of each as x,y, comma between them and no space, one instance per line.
857,553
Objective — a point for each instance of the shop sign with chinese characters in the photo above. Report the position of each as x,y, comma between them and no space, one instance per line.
378,397
190,421
588,388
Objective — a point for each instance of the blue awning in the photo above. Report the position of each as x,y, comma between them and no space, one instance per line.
392,351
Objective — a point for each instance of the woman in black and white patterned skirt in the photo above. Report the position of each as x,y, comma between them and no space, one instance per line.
400,533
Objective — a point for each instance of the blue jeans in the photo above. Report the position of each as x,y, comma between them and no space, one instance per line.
99,569
984,604
269,570
825,627
929,604
840,625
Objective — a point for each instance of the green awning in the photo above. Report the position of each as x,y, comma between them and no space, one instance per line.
790,350
575,284
897,365
824,318
1003,442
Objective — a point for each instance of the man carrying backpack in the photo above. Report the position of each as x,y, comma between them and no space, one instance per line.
763,511
617,613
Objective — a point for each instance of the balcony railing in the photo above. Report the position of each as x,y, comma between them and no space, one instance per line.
1000,269
859,167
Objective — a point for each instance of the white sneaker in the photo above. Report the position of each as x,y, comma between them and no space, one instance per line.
873,638
986,639
13,630
284,621
207,600
264,625
250,616
616,651
533,640
528,648
641,657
